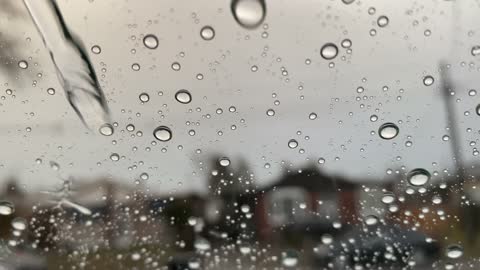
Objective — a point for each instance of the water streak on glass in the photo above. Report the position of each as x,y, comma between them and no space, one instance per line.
73,67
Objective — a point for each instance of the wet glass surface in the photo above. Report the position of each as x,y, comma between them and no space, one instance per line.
242,134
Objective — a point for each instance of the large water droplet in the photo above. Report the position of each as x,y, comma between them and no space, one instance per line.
418,177
382,21
454,251
475,50
183,96
162,133
290,258
329,51
388,131
248,13
388,198
292,143
106,130
6,208
224,162
144,97
207,33
150,41
19,224
428,80
371,220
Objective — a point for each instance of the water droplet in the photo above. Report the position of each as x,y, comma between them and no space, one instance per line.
183,96
321,161
329,51
371,220
292,144
6,208
144,176
346,43
388,131
19,224
327,239
428,80
207,32
248,13
114,157
475,50
290,258
144,97
312,116
454,251
176,66
96,49
162,133
51,91
418,177
130,127
106,130
477,109
388,198
194,263
23,64
224,162
245,208
201,244
373,118
271,112
472,92
382,21
348,2
150,41
135,67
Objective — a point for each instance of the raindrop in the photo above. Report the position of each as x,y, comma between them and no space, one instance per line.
6,208
144,97
176,66
248,13
150,41
475,50
290,258
371,220
51,91
23,64
346,43
312,116
135,67
162,133
292,144
271,112
19,223
183,96
388,131
418,177
373,118
428,80
114,157
382,21
477,109
207,33
348,2
201,244
388,198
224,162
454,251
327,239
329,51
106,130
96,49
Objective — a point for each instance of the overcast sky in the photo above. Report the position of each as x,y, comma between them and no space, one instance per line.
398,56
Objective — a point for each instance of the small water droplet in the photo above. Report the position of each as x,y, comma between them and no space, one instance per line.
418,177
382,21
51,91
329,51
19,223
201,244
346,43
6,208
312,116
176,66
290,258
23,64
428,80
96,49
207,32
183,96
327,239
144,97
292,144
475,50
388,198
224,162
135,67
114,157
388,131
371,220
454,251
162,133
248,13
271,112
106,130
150,41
